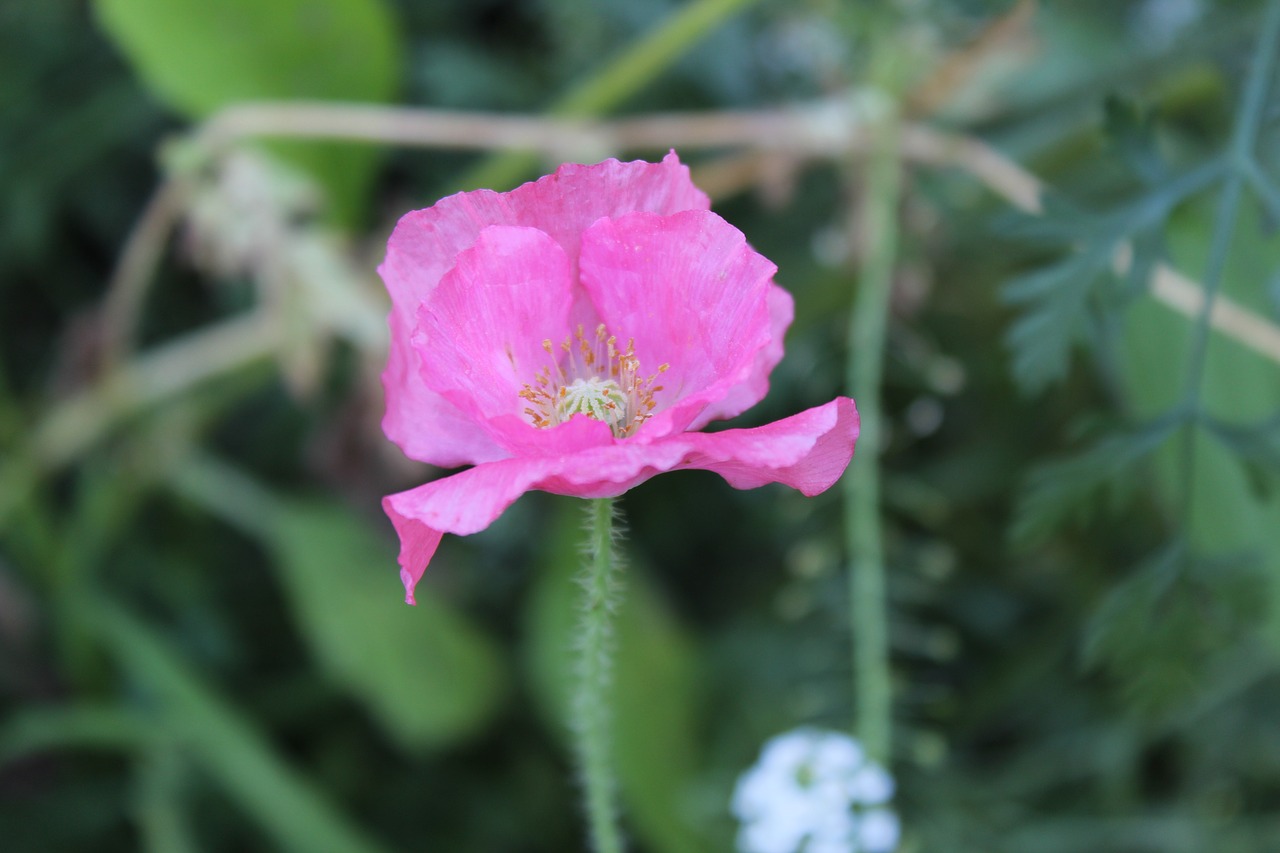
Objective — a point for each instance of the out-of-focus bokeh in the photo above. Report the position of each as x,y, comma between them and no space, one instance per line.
203,644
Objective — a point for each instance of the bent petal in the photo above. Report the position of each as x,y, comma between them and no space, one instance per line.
808,451
469,501
692,294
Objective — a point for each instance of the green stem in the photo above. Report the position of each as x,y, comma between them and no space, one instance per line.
591,705
1244,140
867,600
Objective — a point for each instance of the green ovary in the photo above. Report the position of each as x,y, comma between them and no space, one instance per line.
600,399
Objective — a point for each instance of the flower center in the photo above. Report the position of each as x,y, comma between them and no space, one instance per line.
596,379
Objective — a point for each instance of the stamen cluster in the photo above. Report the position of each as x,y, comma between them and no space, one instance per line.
593,378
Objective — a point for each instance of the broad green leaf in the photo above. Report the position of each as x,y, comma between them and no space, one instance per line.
226,745
428,674
655,715
199,56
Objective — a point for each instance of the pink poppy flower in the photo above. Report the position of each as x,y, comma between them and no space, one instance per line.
571,336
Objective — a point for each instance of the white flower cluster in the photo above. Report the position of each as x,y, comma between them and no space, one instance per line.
815,791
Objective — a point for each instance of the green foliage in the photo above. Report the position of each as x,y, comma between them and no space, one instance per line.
428,673
199,57
192,656
1234,502
1070,487
1057,308
1159,631
1132,132
226,745
1176,380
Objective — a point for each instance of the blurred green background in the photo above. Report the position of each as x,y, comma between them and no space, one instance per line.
202,640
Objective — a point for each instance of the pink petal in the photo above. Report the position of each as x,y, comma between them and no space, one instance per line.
566,203
481,335
424,246
753,389
426,426
421,250
808,451
692,294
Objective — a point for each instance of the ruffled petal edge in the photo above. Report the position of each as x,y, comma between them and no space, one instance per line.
808,451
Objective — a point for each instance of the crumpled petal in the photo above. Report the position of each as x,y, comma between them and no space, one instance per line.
691,293
481,332
808,451
426,243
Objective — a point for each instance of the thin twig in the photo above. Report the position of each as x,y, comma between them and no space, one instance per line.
132,277
829,128
823,127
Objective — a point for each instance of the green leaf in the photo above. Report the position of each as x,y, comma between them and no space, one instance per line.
428,674
1132,132
1160,629
1057,300
655,697
225,744
1061,489
200,56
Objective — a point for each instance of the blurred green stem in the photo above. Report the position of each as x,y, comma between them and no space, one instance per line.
221,741
166,371
591,702
626,75
868,617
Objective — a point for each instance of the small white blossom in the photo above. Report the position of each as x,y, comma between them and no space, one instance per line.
871,786
878,830
815,791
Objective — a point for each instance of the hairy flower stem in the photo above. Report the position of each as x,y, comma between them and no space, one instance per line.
591,703
867,601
